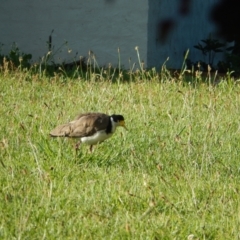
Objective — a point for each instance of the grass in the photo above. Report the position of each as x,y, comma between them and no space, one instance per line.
173,175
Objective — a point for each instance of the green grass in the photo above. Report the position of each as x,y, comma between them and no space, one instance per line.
174,175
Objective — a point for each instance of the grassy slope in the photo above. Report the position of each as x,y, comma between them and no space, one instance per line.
173,174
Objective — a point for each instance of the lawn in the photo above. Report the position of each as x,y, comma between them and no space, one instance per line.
174,175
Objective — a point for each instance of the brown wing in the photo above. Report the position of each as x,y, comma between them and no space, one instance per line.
84,125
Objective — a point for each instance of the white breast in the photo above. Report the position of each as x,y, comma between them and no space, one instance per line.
96,138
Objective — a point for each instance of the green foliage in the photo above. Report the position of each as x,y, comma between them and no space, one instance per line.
173,175
210,48
17,58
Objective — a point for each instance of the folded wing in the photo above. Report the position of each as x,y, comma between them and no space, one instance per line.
84,125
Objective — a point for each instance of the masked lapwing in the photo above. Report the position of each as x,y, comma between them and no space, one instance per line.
90,128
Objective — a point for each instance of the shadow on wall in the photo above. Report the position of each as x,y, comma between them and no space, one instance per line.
153,42
174,28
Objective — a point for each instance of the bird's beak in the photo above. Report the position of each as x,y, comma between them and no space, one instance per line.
122,123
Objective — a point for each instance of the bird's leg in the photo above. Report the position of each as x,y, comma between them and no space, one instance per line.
77,146
91,146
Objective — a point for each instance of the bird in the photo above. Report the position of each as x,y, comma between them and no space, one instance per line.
91,128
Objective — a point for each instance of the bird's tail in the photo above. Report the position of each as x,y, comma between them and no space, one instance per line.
63,130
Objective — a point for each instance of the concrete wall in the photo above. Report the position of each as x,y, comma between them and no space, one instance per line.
102,26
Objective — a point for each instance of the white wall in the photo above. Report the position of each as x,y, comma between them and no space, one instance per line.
97,25
103,26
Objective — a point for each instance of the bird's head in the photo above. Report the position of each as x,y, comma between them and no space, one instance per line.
119,119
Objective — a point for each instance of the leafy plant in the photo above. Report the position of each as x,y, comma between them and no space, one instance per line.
209,48
18,58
